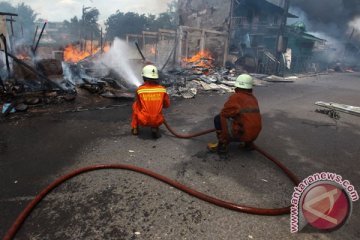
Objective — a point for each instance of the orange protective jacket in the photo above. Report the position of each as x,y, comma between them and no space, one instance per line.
147,109
240,118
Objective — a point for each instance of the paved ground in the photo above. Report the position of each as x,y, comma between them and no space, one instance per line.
125,205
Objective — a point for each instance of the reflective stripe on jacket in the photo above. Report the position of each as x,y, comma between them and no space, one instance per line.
150,100
243,110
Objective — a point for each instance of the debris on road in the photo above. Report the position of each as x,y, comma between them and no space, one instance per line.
353,110
275,79
8,108
330,112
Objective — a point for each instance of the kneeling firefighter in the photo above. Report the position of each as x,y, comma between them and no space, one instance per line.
240,119
151,97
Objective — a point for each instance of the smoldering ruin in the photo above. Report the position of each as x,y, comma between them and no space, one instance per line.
67,102
213,42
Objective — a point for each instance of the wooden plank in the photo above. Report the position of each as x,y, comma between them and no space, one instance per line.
150,33
187,28
226,51
134,35
354,110
8,14
202,41
167,31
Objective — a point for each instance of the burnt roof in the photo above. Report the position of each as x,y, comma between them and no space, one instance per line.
294,30
265,6
7,14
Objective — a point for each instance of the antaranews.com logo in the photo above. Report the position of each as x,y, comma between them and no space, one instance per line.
323,200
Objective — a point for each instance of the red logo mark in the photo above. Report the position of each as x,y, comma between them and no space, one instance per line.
326,206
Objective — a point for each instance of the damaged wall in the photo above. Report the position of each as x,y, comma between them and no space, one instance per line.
247,22
251,26
197,40
156,46
202,16
3,30
208,14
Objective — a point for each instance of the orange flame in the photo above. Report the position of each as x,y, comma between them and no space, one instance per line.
202,59
23,56
74,54
106,48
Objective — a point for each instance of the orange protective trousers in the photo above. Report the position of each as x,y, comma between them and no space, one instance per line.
147,109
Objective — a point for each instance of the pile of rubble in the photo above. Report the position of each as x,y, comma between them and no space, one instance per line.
50,81
95,79
53,81
198,73
187,82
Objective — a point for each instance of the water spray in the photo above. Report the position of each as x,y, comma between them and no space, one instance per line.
117,59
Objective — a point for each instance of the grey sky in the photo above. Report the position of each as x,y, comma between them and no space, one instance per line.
59,10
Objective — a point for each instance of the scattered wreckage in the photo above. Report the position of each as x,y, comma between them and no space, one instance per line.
331,109
32,81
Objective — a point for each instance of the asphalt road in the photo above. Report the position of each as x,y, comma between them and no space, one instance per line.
113,204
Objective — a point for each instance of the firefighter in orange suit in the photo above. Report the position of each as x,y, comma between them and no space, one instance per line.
240,118
150,100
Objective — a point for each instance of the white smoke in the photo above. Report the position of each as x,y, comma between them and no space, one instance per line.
354,26
118,59
3,70
334,48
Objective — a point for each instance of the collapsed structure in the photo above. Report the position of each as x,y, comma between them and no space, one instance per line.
250,34
214,41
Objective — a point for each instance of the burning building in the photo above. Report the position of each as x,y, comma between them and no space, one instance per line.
244,32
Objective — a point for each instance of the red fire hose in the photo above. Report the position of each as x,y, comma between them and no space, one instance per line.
291,175
187,136
232,206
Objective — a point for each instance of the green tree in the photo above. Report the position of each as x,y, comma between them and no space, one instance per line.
26,19
172,12
89,23
7,7
24,26
86,27
73,28
120,24
164,20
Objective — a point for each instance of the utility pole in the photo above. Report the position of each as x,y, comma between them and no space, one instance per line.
82,35
82,28
91,42
101,40
12,37
11,20
280,38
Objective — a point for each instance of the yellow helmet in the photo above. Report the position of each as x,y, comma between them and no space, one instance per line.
151,72
244,81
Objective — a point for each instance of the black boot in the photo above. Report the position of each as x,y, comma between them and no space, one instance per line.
249,146
155,133
135,131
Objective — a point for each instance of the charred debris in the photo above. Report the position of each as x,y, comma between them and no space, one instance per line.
214,42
